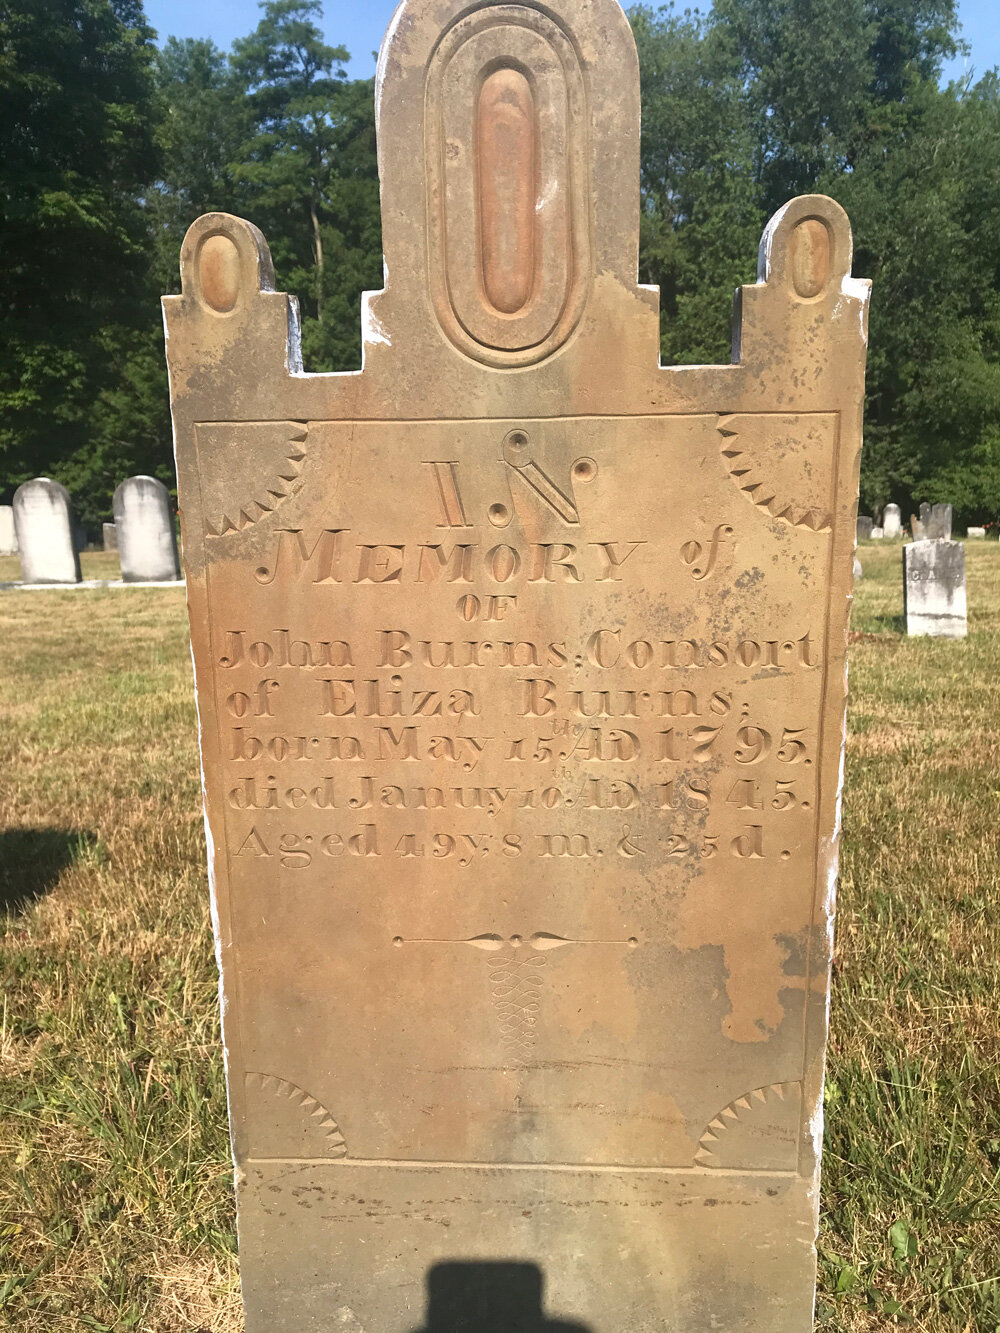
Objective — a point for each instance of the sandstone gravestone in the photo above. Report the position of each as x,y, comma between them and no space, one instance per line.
110,537
935,521
934,588
8,538
43,521
892,523
520,667
864,529
147,546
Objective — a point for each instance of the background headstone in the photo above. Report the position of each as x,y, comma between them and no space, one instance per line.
110,537
936,522
147,544
80,538
864,529
917,528
892,524
934,588
522,854
975,534
858,571
43,521
8,537
877,534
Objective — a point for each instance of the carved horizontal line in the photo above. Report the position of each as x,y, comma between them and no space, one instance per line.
514,421
698,1173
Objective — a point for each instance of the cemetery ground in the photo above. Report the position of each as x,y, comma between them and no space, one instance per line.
115,1185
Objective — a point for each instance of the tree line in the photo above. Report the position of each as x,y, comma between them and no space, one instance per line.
110,147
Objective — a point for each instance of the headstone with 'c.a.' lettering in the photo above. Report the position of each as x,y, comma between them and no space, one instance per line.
520,666
934,593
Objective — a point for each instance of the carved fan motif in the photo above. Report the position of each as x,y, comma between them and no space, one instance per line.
757,1131
284,1121
783,464
248,469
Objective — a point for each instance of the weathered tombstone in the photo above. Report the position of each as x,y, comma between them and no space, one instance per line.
934,588
8,537
110,537
80,538
976,534
936,522
520,667
892,524
147,545
917,528
43,521
864,529
877,534
858,570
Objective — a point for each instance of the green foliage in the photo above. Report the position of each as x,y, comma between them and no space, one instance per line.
308,169
77,148
763,99
110,150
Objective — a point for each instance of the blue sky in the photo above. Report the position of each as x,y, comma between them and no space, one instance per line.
359,25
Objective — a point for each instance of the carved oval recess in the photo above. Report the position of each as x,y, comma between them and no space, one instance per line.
219,271
508,223
810,255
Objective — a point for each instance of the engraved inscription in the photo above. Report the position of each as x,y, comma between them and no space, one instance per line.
546,727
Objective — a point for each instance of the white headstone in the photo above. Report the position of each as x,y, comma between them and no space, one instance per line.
877,534
934,589
43,522
858,571
8,537
976,534
147,546
892,521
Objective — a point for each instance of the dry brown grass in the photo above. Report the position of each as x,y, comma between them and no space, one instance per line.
115,1186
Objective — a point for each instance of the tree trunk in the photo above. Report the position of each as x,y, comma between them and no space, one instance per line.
318,257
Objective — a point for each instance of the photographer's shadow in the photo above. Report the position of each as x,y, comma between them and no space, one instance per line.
494,1297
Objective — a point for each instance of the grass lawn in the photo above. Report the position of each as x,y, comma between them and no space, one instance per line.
115,1189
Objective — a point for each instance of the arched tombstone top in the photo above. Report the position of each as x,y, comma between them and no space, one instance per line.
508,140
44,524
147,544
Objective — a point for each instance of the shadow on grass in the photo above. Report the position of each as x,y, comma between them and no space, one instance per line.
489,1297
887,625
31,861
